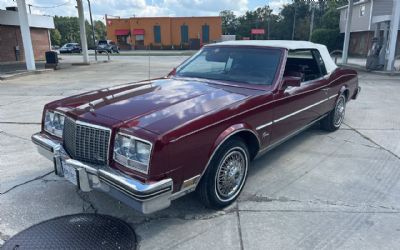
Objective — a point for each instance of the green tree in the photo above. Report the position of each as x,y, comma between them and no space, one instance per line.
331,38
68,29
330,20
229,22
100,30
55,37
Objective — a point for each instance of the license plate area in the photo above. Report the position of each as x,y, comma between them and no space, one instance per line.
70,173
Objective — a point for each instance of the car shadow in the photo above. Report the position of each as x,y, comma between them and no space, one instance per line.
188,209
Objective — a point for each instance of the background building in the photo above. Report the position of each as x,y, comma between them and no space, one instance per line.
367,16
163,32
11,45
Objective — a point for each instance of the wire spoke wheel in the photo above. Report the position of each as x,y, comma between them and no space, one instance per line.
231,174
340,110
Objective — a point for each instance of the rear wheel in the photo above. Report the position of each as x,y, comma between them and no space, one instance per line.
225,176
335,118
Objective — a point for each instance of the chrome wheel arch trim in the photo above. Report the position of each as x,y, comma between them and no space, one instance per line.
200,176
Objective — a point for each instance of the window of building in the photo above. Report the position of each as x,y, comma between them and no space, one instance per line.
139,39
184,34
157,34
362,10
205,31
122,40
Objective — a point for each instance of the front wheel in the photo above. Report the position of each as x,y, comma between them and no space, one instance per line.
335,117
226,175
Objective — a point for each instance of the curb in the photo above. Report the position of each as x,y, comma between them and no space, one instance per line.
25,73
363,69
5,77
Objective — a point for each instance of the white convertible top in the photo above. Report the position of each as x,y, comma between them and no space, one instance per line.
289,45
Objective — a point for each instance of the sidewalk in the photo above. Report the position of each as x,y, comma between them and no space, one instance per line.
359,64
15,67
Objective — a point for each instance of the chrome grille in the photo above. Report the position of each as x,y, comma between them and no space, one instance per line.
86,142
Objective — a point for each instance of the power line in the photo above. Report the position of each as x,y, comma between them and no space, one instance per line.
50,7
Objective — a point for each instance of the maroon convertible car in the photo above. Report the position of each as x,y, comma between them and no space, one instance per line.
150,142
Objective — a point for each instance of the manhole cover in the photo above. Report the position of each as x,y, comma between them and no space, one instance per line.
79,231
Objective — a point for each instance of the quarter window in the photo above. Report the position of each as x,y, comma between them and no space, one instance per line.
306,64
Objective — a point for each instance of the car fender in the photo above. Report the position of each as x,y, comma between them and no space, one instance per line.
224,136
343,89
228,133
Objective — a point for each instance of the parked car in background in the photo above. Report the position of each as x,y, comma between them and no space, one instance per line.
107,46
150,142
71,48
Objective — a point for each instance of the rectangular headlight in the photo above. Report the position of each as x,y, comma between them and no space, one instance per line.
54,123
132,152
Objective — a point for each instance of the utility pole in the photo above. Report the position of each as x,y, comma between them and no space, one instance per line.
93,35
394,29
347,32
26,35
269,30
294,20
82,30
312,20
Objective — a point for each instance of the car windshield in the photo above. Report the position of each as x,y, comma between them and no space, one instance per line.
245,65
68,45
102,42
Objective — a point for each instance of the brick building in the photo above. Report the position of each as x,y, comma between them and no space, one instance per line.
11,45
163,32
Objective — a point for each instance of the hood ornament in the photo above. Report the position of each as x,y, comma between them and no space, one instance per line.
91,105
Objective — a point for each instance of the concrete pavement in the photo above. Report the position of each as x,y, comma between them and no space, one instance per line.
319,190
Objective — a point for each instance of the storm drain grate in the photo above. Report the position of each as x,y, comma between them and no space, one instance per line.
79,231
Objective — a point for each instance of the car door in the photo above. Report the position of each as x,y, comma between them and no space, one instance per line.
297,107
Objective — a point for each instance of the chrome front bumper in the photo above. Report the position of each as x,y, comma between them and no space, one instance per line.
146,198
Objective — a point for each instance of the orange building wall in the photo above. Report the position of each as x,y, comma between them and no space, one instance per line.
170,29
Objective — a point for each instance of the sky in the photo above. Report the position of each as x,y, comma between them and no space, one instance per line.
128,8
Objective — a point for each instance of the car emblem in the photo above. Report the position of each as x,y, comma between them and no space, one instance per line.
91,107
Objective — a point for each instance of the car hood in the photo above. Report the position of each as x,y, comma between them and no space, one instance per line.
157,106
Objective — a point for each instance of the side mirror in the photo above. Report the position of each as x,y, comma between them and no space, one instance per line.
172,73
291,81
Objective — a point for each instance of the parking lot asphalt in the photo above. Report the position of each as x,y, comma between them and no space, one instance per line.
319,190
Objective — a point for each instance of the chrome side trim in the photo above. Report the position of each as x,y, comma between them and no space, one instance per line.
299,111
270,147
332,96
264,125
294,113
